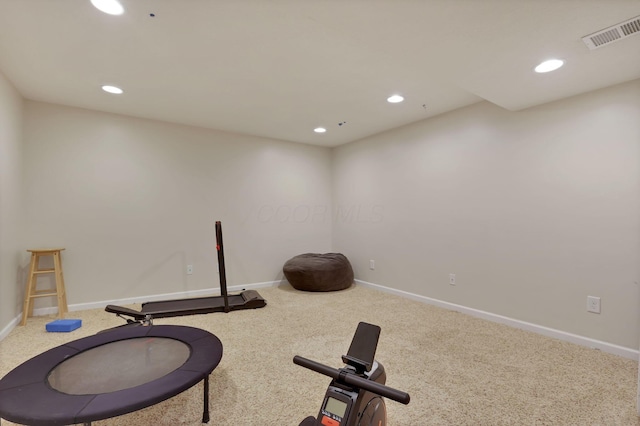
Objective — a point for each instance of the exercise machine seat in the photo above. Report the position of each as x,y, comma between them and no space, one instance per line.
319,272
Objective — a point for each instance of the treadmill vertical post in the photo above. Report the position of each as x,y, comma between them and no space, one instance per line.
221,269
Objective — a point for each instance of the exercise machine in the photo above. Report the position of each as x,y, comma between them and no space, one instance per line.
248,299
355,396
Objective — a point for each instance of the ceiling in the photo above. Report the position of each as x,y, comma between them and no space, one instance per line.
280,68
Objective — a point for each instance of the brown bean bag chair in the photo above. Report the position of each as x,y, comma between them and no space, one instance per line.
319,272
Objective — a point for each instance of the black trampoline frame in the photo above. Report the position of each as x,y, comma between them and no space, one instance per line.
27,398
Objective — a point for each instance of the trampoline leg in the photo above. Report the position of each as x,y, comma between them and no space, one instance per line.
205,411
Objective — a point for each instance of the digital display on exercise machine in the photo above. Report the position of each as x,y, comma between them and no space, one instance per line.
335,407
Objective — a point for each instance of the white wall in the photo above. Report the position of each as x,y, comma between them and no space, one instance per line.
134,201
10,201
532,210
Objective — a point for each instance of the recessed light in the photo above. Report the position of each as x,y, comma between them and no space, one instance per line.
319,130
112,7
112,89
395,99
550,65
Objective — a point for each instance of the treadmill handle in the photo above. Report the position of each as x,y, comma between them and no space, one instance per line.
121,310
353,380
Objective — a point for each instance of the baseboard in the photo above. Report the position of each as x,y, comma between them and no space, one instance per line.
9,327
545,331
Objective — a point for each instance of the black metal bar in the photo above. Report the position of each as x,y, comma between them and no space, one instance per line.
121,310
353,380
205,410
221,269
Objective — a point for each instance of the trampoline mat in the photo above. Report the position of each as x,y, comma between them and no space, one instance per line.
122,364
108,374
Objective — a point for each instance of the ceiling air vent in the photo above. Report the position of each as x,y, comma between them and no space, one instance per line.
614,33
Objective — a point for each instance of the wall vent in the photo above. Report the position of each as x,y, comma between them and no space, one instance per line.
612,34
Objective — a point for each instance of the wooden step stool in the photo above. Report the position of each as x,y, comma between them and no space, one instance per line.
32,281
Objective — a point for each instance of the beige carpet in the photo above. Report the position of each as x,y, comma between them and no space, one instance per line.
458,369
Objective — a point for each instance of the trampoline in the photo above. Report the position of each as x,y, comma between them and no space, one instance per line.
109,374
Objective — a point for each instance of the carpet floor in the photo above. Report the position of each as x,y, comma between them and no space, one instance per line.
459,370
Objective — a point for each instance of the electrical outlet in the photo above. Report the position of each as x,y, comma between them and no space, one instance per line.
452,279
593,304
189,269
372,264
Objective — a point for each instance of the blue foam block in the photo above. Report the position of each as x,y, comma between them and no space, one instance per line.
64,325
